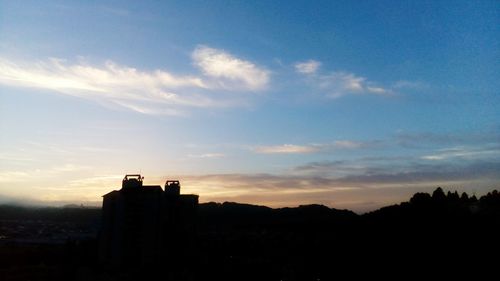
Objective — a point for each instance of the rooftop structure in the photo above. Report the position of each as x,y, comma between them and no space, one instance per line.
144,224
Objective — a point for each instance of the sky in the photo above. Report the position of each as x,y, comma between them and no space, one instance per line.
350,104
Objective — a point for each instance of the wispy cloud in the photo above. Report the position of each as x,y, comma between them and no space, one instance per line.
68,168
207,155
438,173
13,176
286,149
413,173
343,183
331,168
12,157
464,153
311,148
31,174
337,84
307,67
230,72
457,139
347,144
377,90
475,163
405,84
95,181
149,92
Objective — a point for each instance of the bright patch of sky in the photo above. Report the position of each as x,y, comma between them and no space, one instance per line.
344,103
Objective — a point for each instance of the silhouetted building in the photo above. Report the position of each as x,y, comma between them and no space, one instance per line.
144,225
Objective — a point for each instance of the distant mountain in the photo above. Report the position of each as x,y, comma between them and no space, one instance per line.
230,214
67,213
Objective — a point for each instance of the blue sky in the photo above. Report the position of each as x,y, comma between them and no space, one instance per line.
352,104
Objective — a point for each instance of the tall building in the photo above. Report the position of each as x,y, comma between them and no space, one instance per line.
143,225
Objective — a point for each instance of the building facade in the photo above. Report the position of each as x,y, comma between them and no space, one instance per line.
145,225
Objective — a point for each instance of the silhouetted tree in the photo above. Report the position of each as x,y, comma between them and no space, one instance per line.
438,194
464,198
421,199
453,197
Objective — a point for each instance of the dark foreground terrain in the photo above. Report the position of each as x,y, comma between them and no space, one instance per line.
433,235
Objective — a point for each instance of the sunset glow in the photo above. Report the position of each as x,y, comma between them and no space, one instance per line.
343,103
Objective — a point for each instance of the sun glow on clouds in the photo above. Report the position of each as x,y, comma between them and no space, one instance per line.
148,92
336,183
56,184
278,190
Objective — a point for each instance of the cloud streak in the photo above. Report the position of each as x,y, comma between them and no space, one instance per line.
464,153
286,149
351,188
419,140
229,71
419,174
311,148
149,92
207,155
337,84
307,67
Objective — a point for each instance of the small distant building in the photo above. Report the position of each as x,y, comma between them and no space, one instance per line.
144,225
